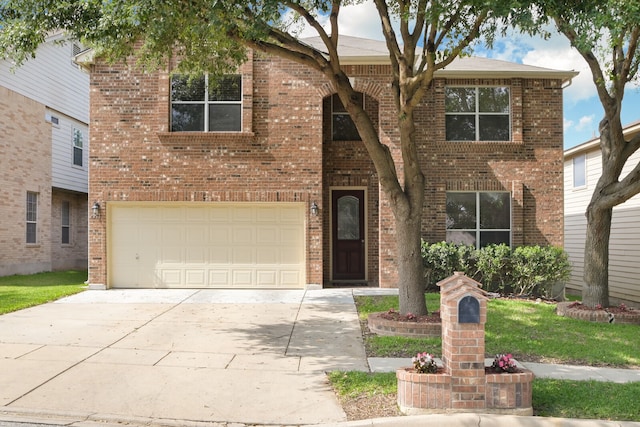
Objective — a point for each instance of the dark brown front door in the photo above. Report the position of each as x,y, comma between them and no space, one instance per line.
348,234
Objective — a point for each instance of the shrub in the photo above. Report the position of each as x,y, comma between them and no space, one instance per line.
527,270
536,269
442,259
493,263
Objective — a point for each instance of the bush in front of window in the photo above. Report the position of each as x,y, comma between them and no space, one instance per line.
525,271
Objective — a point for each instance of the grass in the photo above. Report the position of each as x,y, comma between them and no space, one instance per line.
551,398
530,331
23,291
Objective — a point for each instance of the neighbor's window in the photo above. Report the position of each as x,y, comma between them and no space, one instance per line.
32,217
77,147
342,127
479,218
66,222
204,105
477,114
579,171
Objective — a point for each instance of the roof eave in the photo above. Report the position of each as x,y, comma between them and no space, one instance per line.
565,76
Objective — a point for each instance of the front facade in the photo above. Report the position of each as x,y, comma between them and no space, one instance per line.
582,169
44,159
266,185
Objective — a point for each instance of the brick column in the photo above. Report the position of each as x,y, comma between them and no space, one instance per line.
463,340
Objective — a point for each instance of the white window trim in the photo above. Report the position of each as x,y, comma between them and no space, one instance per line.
206,103
573,172
68,224
34,220
75,130
477,230
477,114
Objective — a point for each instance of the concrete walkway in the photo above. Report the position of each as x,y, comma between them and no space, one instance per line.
193,357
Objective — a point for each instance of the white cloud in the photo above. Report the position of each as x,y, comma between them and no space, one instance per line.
359,20
585,123
567,125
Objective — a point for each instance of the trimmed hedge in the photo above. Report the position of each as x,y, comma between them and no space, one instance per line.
526,270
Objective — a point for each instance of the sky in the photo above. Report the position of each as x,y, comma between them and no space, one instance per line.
582,108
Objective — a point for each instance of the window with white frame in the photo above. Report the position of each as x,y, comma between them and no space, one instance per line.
65,216
78,147
580,171
32,217
202,104
342,126
479,218
477,113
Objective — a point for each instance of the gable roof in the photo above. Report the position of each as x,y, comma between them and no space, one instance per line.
355,50
629,130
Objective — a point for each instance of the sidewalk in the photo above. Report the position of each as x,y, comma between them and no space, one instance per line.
218,358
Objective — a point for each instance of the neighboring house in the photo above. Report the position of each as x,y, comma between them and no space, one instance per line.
44,159
266,184
582,169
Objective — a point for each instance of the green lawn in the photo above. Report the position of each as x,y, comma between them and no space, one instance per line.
22,291
531,332
551,398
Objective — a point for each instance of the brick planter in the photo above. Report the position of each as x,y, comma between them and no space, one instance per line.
509,393
423,393
386,327
565,309
431,393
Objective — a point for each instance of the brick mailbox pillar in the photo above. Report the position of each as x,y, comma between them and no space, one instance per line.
462,385
463,310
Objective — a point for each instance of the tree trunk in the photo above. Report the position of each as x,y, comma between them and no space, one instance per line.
595,290
410,267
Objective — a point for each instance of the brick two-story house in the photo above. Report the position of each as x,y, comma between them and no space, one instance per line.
44,159
265,184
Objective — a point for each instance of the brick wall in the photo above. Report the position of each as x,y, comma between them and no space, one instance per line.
283,154
25,165
74,254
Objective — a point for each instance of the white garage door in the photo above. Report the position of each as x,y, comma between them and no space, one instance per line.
206,245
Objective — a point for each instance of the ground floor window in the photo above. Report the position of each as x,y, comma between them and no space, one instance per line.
479,218
66,222
32,217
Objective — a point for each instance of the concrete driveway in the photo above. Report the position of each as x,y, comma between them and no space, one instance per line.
252,357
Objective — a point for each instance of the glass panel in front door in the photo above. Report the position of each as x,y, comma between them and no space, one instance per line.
348,218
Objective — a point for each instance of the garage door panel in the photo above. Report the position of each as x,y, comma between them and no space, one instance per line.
220,255
266,278
289,278
242,277
171,277
243,255
267,235
219,278
213,245
267,256
243,214
196,278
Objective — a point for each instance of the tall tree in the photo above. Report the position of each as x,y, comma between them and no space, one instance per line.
422,36
606,34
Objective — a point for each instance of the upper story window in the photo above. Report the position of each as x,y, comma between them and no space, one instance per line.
477,114
342,127
579,171
201,105
479,218
32,217
77,147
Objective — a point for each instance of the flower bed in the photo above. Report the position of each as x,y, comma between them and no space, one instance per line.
620,314
505,393
391,323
